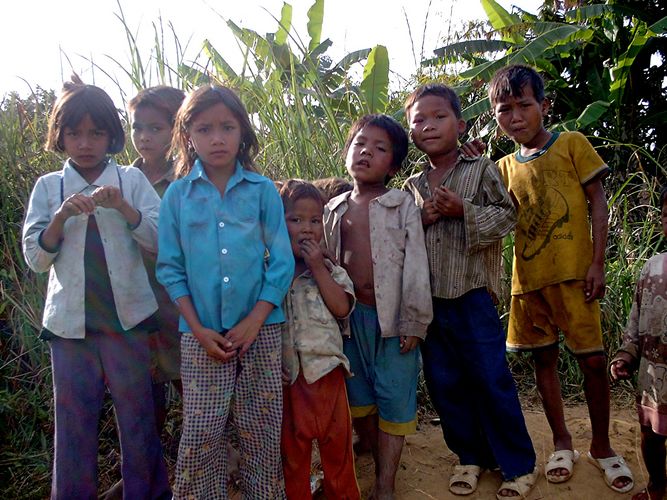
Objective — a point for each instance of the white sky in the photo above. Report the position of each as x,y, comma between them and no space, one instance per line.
35,31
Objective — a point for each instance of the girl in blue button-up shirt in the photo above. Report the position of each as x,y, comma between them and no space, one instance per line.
225,259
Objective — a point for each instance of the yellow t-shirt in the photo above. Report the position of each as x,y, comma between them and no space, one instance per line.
553,236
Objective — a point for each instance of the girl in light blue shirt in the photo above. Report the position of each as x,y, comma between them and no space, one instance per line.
226,261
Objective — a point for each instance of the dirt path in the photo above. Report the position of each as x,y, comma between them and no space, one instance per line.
427,462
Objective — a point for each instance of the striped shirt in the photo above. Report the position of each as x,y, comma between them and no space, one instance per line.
465,253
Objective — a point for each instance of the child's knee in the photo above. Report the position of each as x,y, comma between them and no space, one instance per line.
593,364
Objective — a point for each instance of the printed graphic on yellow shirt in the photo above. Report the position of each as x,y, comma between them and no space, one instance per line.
540,221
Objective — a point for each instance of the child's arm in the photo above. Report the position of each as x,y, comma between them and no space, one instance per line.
416,310
595,279
43,232
495,218
335,297
625,360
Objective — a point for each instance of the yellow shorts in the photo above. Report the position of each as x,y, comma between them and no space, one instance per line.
537,317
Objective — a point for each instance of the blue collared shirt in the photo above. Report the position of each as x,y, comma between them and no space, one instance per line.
213,247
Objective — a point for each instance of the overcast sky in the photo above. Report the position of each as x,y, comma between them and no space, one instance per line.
36,34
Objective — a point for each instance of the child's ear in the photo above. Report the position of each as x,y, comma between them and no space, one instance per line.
545,106
461,126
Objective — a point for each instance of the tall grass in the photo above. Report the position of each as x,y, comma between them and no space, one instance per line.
302,105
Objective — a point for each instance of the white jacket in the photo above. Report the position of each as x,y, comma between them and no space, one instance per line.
64,313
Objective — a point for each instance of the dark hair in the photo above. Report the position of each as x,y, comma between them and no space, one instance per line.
293,190
397,135
165,99
663,196
331,187
198,101
436,89
75,102
511,80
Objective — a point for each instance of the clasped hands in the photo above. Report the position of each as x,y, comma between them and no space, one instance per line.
443,203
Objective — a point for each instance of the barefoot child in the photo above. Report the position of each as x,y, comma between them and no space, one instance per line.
314,367
644,349
217,222
467,211
558,271
376,234
86,224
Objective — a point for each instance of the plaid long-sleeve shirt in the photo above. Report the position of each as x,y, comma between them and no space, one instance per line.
465,253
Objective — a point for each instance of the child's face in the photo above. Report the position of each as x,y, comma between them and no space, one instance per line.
151,134
215,134
521,118
663,217
304,222
370,156
86,144
434,127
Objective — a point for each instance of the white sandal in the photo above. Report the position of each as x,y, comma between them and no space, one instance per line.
560,459
465,474
613,468
521,485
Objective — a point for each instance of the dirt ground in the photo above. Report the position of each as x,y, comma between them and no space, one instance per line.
427,463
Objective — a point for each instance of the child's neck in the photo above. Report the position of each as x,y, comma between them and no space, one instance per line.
537,143
218,177
154,171
446,160
368,191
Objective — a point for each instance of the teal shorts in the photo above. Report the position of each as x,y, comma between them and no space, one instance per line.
384,381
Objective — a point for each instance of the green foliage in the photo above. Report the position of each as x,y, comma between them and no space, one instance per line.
604,66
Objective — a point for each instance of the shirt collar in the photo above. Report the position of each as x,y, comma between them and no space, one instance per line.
240,174
391,198
168,176
73,182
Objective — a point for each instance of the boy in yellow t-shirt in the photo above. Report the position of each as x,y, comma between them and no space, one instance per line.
558,271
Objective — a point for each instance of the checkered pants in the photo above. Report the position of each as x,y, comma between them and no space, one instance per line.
251,388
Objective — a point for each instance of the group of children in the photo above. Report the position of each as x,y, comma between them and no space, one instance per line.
299,314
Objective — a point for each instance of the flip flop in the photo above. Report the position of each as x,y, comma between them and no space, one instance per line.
560,459
613,468
521,485
465,474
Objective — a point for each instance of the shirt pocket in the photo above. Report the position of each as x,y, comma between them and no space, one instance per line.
393,244
244,208
315,307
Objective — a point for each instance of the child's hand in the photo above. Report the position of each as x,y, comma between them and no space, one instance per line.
214,344
76,204
595,283
408,343
284,375
312,254
243,335
108,197
473,148
621,368
448,202
430,214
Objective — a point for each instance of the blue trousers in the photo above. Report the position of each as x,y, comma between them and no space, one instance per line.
81,370
472,388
